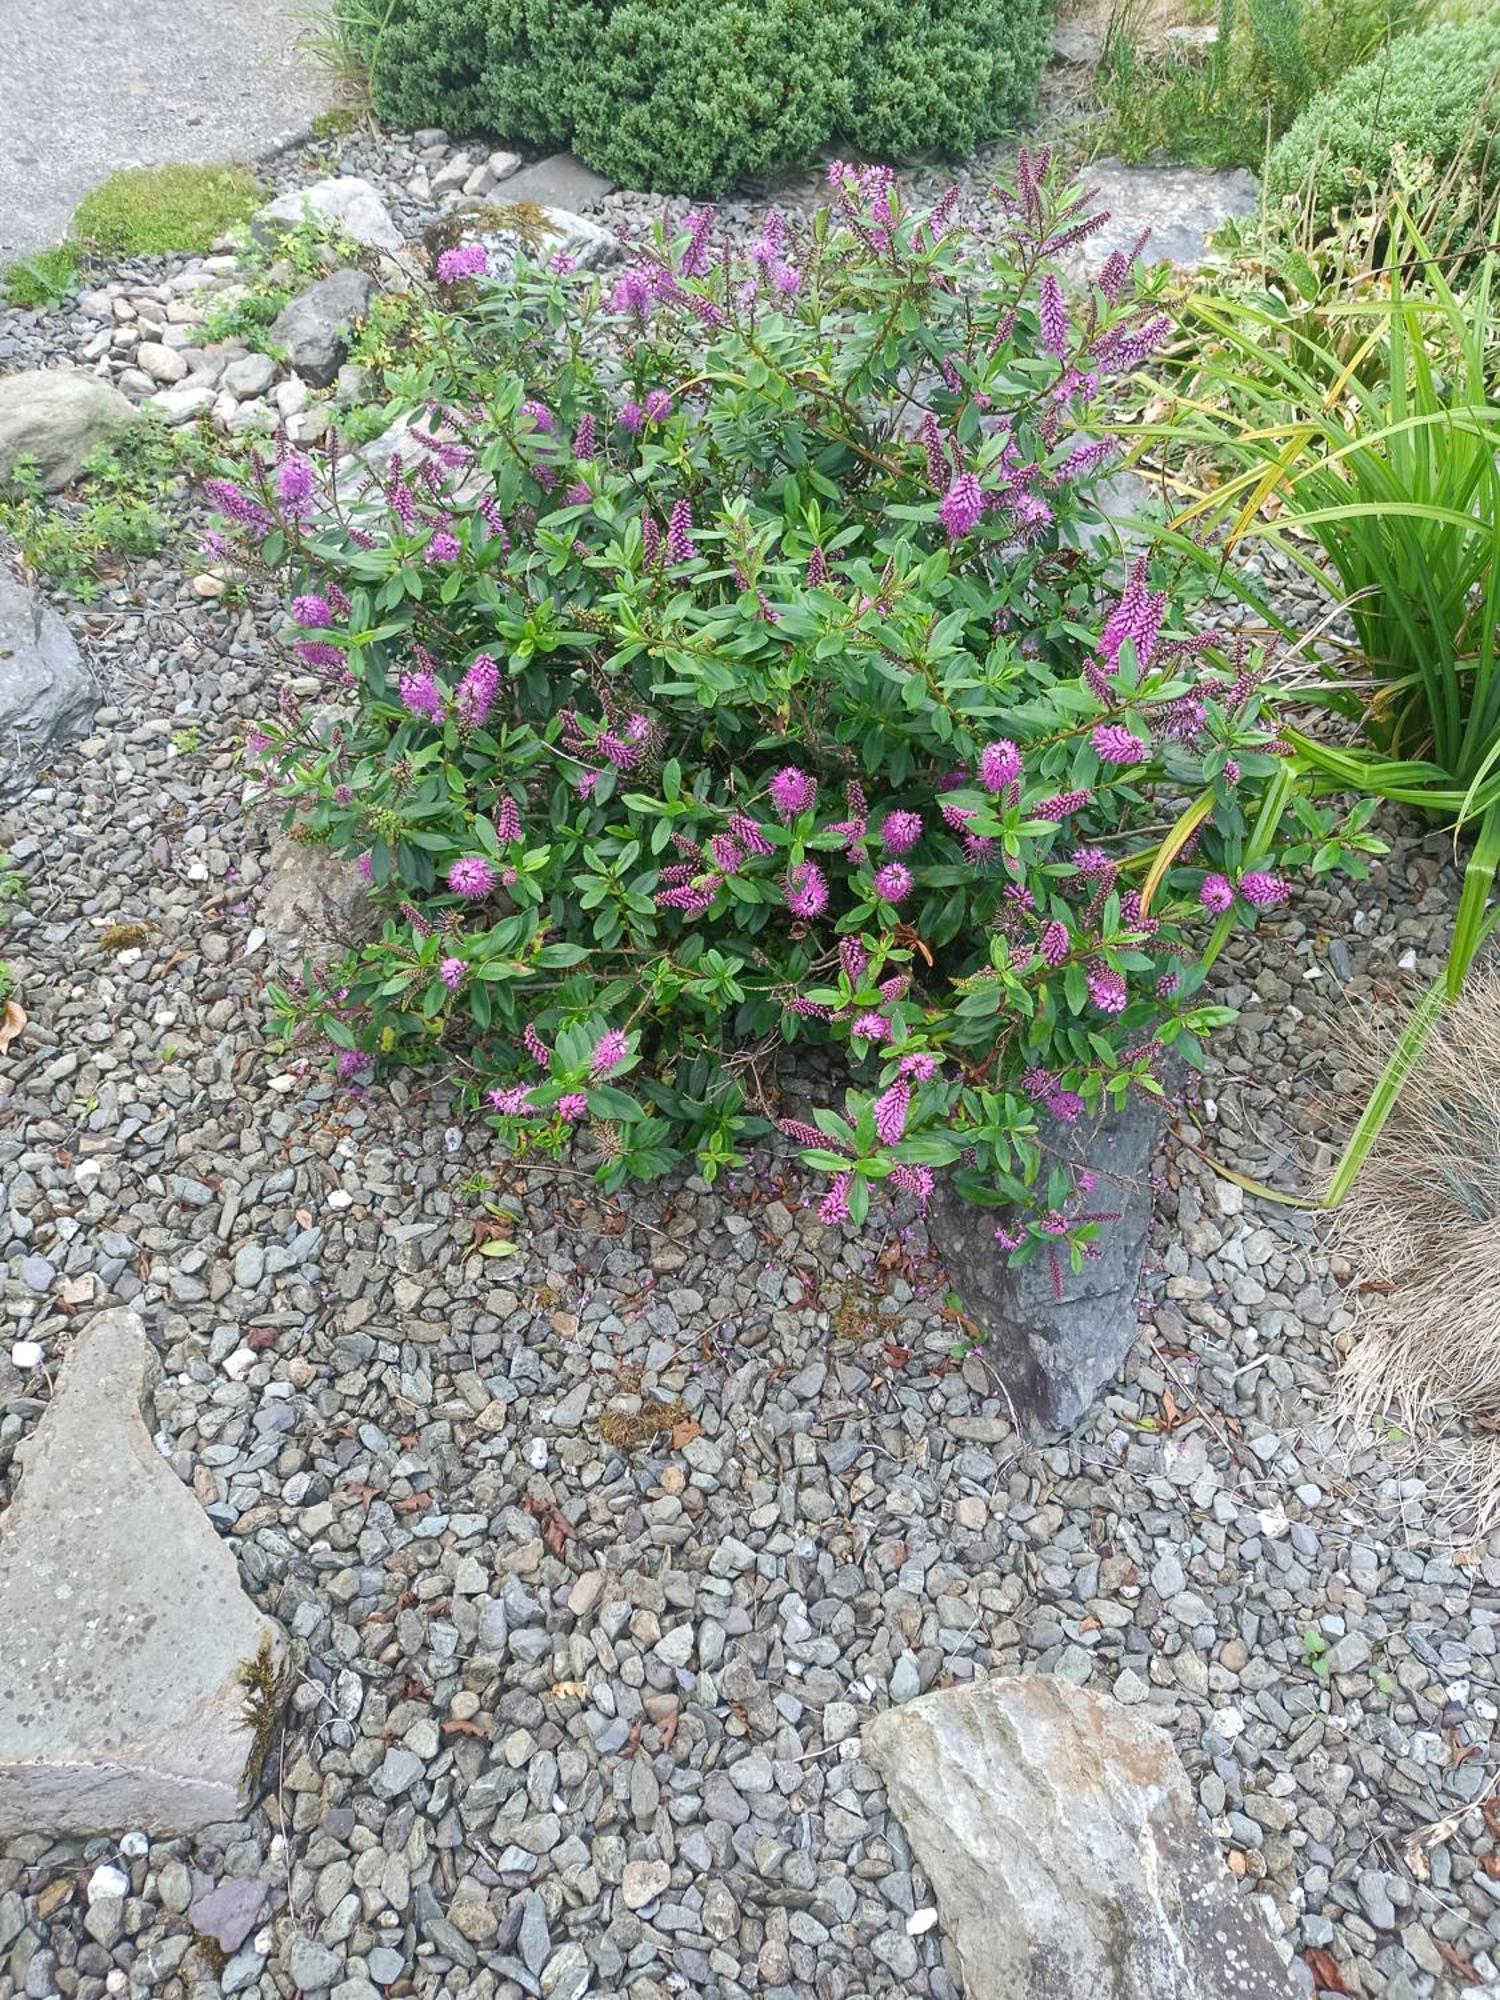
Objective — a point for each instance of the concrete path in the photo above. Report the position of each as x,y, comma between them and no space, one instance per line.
90,85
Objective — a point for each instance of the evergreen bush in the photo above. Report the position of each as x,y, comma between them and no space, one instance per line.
696,96
1436,94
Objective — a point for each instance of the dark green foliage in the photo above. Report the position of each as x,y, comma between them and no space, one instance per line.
691,98
1437,94
695,96
941,76
540,66
426,61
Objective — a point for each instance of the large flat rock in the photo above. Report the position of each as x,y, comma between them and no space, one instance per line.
345,203
1177,209
559,181
314,329
125,1633
1059,1832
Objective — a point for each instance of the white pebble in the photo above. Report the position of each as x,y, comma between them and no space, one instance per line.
536,1454
107,1880
26,1355
921,1921
339,1199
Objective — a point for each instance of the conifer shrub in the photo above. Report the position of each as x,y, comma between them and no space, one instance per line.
697,96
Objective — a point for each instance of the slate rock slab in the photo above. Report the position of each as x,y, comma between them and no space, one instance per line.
46,691
125,1630
57,416
559,181
1180,207
1064,1848
1056,1336
345,202
314,328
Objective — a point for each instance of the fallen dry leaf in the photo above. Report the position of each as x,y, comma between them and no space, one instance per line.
1468,1973
685,1432
569,1690
12,1022
457,1725
557,1529
1326,1975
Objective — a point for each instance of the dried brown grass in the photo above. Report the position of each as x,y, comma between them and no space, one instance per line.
1422,1230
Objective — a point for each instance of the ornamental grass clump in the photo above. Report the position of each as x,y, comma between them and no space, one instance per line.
725,671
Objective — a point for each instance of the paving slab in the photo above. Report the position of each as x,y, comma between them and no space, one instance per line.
119,83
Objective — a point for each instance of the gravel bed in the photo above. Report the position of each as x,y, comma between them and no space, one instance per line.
579,1716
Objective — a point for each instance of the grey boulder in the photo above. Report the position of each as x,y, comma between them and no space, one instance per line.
344,203
1064,1848
46,692
1057,1336
316,906
314,328
57,416
129,1653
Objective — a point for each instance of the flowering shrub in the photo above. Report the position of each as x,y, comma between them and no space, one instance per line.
725,668
693,96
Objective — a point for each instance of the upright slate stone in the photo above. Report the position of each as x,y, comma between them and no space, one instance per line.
1065,1850
1057,1336
46,691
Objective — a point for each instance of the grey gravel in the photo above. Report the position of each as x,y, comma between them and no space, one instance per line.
492,1726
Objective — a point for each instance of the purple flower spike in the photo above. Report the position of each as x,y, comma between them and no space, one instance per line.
893,881
1216,894
471,876
1054,943
806,890
1115,744
901,832
610,1051
1264,892
999,765
834,1207
890,1112
1107,989
793,792
680,532
464,260
421,696
294,483
962,507
1054,317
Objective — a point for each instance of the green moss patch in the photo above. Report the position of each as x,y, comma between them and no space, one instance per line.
42,280
148,211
